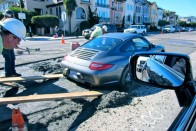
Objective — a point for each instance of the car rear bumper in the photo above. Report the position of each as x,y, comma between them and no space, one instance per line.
91,77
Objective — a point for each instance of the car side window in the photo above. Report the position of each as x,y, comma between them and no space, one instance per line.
140,44
127,47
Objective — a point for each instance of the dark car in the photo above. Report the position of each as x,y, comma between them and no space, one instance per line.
157,73
178,29
110,29
188,29
104,60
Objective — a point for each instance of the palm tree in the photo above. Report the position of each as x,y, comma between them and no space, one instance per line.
70,6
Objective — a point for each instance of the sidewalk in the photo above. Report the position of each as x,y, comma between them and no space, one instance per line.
52,38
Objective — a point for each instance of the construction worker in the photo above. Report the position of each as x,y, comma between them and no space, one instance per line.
98,31
12,31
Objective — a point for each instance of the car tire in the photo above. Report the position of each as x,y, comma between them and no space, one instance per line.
125,78
143,33
86,37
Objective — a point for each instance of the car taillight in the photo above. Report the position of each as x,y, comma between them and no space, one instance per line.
64,59
99,66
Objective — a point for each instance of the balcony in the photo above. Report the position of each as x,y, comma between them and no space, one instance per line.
85,2
101,5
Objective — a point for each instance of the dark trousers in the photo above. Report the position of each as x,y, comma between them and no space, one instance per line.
9,56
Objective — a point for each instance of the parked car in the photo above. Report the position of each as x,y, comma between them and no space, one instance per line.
164,76
104,60
121,29
110,29
137,29
188,29
183,29
178,29
168,29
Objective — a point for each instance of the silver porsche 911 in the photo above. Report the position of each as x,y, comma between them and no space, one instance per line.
104,60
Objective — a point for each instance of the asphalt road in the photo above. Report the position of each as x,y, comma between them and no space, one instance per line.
184,42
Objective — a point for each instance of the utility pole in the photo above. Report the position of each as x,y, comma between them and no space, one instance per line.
21,10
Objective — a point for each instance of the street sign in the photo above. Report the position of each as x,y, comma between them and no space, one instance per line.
21,16
63,16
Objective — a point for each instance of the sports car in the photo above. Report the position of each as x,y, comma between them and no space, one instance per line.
104,60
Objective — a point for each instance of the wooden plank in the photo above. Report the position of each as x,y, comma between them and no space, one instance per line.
29,78
11,84
46,97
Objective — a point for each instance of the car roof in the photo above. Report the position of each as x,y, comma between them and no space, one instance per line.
122,36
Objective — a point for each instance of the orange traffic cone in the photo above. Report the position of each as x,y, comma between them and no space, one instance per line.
18,123
62,40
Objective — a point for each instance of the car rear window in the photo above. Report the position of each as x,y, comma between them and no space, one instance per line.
102,43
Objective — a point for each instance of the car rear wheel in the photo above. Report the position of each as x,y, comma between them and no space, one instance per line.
125,78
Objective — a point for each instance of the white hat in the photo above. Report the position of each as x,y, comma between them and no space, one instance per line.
105,28
15,26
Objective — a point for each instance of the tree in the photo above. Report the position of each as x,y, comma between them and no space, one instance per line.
70,6
193,24
21,3
162,23
93,17
17,10
182,23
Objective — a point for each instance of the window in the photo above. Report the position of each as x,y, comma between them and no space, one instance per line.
131,7
103,44
51,11
80,13
127,47
59,12
140,44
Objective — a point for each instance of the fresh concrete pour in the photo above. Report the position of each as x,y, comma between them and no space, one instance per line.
136,108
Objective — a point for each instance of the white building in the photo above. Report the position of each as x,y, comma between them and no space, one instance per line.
129,12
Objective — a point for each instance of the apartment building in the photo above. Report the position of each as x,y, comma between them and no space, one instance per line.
110,11
7,3
128,12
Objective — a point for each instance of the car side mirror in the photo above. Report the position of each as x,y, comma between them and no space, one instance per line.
161,69
164,70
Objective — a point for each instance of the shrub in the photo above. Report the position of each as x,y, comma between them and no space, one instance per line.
1,16
17,10
84,25
45,21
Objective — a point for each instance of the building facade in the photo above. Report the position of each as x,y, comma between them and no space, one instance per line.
110,11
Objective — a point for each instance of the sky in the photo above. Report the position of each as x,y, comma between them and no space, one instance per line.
182,8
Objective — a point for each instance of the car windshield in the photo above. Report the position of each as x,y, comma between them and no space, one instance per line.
102,43
167,26
135,27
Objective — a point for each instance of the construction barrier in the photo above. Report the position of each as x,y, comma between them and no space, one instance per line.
62,40
18,123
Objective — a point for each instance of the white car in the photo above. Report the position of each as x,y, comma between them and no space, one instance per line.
168,29
138,29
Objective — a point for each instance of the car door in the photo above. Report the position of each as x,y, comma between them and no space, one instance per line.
139,29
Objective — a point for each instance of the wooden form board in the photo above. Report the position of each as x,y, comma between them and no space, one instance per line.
30,78
46,97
